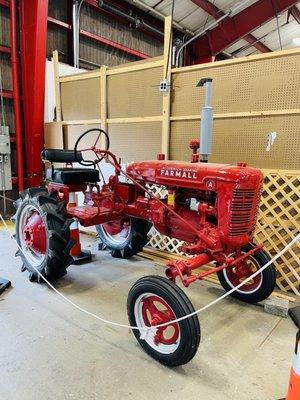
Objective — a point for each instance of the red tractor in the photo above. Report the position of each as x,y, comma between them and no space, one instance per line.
211,207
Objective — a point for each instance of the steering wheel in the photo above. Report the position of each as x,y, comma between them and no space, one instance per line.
78,153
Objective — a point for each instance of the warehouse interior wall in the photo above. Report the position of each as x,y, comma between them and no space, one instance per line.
251,99
91,52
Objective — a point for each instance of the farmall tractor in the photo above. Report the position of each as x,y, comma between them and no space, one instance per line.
212,208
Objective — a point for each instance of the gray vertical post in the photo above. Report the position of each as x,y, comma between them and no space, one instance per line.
206,120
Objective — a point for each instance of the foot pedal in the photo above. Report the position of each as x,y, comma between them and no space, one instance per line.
4,284
83,258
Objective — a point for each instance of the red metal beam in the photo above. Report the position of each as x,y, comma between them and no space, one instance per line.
7,94
33,28
236,27
4,3
295,13
16,92
111,43
59,23
216,13
100,39
5,49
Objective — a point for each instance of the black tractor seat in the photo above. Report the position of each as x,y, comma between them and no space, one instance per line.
72,176
59,155
68,176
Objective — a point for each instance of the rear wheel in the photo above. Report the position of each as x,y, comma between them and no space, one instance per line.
43,234
258,288
124,237
155,300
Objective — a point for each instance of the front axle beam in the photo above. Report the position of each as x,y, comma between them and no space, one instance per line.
184,268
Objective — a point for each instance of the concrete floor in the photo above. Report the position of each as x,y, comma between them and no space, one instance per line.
48,350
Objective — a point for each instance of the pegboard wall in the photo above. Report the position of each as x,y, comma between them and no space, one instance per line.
135,142
244,139
80,99
252,97
134,94
260,85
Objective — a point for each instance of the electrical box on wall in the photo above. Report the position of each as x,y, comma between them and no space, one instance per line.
5,164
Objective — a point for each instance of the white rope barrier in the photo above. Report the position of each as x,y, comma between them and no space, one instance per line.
108,322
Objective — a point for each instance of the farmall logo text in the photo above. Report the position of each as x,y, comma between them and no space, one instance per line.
180,173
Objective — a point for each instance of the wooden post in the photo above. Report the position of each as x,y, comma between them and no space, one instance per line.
57,86
103,103
167,95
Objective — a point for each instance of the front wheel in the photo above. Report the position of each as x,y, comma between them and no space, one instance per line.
154,300
258,288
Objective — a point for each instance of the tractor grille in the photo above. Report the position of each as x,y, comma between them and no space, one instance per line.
242,207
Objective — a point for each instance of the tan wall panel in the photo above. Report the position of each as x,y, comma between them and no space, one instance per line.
135,142
81,99
244,139
73,132
131,142
254,86
135,94
53,135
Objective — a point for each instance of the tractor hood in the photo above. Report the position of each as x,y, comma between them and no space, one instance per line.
193,175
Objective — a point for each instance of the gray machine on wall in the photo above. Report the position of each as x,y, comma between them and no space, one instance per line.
5,164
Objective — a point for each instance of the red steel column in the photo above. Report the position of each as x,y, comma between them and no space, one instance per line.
33,28
16,93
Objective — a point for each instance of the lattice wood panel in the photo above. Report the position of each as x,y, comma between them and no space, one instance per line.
278,223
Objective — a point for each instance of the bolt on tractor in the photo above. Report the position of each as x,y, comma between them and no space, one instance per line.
212,208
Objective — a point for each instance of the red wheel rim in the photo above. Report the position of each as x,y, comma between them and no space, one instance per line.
32,235
235,276
156,311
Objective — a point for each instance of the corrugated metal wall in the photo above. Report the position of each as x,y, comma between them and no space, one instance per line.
59,39
5,63
101,25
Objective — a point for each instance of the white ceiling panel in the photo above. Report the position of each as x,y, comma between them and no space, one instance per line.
227,4
237,45
190,16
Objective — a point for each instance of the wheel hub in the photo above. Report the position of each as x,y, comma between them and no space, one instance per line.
241,272
156,311
34,233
